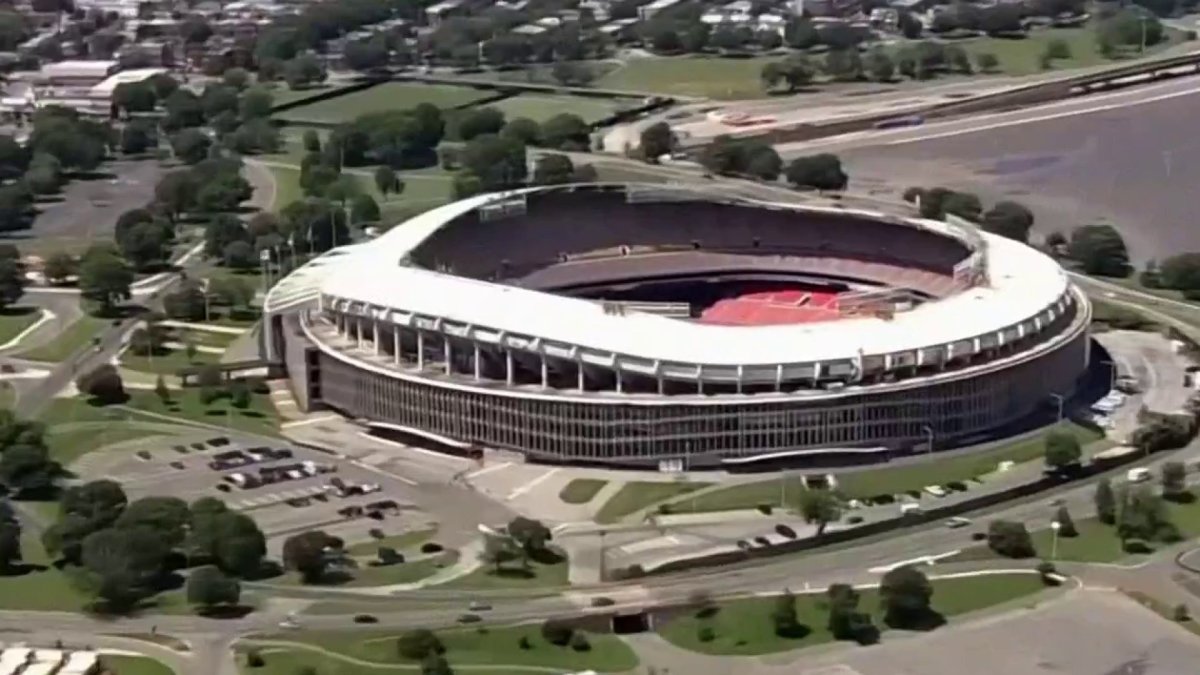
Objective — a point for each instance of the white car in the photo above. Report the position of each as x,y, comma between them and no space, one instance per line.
290,622
957,522
368,488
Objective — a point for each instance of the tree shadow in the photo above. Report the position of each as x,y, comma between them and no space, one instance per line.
797,631
513,573
926,620
21,569
225,611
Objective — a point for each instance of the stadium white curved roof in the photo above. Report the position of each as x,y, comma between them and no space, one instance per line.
1024,283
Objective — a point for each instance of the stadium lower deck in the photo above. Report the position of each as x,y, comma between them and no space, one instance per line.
765,308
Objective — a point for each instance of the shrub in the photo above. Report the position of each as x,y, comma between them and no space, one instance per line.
419,643
524,643
978,536
765,509
664,509
431,547
389,556
1180,613
1137,546
557,632
376,533
854,520
957,486
1046,567
579,643
254,659
1010,539
706,634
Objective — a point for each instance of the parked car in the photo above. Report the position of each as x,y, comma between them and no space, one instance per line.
366,618
957,522
470,618
479,606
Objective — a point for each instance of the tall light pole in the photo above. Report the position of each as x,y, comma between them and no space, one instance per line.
1055,526
1059,399
929,437
204,289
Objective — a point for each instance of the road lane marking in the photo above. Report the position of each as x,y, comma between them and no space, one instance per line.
531,484
489,469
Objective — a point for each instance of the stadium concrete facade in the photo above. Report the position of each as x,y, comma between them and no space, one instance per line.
643,324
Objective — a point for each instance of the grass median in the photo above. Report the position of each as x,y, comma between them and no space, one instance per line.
637,495
68,342
581,490
744,627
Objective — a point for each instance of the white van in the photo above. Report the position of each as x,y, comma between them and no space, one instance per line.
1138,474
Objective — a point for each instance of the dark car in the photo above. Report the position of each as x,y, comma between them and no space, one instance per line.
366,618
224,487
218,442
181,449
469,618
177,465
762,541
785,531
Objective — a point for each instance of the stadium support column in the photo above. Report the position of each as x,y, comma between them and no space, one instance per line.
740,373
358,330
616,366
579,374
375,334
396,344
700,379
420,350
447,353
658,376
545,372
779,377
508,367
475,359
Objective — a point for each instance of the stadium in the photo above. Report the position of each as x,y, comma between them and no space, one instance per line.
665,325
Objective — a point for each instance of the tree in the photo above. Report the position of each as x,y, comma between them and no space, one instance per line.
161,391
59,267
10,544
905,593
657,140
195,30
795,71
223,230
239,255
1174,481
761,161
190,146
801,34
366,55
820,172
1106,502
185,303
183,111
419,643
16,207
26,470
311,141
137,137
523,130
497,551
1142,515
14,158
566,131
1066,526
306,553
104,278
844,65
498,163
480,121
666,41
303,71
1130,27
134,96
846,622
987,62
963,204
146,244
165,516
123,565
820,507
880,66
387,181
256,104
1100,250
784,618
553,169
364,209
1180,272
1062,450
1010,539
102,383
532,536
1009,219
239,394
83,509
209,588
12,282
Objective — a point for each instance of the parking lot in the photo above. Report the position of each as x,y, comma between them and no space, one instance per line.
286,489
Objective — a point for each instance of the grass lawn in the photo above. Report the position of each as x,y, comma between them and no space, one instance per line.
75,337
381,98
744,628
259,418
77,409
423,190
16,319
746,496
134,665
637,495
581,490
69,445
168,363
396,541
541,107
702,76
365,576
484,645
944,470
1023,56
539,575
204,337
39,590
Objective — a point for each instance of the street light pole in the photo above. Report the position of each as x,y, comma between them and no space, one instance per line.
1059,399
1055,526
929,435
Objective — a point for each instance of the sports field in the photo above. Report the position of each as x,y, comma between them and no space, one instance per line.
380,98
700,76
540,107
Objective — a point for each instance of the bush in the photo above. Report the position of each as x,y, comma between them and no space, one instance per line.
706,634
978,536
664,509
254,659
389,556
1180,613
524,643
419,643
765,509
579,643
557,632
1046,568
431,547
1137,546
1010,539
376,533
957,486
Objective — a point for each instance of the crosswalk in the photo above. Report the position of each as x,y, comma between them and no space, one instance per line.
277,498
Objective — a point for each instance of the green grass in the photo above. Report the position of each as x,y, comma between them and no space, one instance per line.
423,189
71,444
512,575
77,409
541,107
205,338
260,417
1023,56
14,320
744,628
168,363
400,542
581,490
380,98
940,471
75,337
484,645
746,496
121,664
637,495
701,76
366,576
45,590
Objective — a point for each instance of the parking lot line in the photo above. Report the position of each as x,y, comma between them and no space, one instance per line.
531,484
489,469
